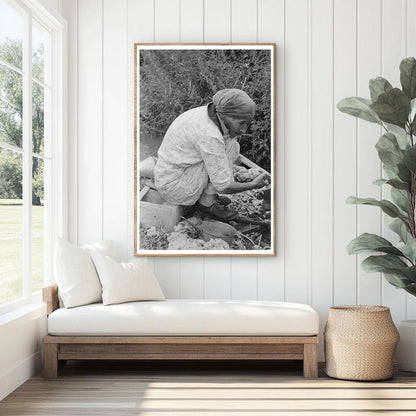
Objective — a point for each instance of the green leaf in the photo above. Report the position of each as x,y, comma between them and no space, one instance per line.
404,173
359,107
410,158
408,77
389,208
390,173
397,280
408,249
380,182
381,263
412,115
389,151
378,86
366,243
401,139
398,184
410,272
412,109
400,228
411,289
396,271
400,198
392,107
395,183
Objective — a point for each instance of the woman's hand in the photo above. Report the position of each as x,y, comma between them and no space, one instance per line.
259,181
235,187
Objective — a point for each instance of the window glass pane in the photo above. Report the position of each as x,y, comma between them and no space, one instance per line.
41,46
38,118
11,226
11,106
11,34
38,229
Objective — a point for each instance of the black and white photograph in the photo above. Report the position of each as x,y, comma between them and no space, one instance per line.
204,149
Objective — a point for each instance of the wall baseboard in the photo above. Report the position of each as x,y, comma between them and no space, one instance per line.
11,379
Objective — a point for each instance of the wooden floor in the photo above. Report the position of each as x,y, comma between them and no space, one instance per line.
222,389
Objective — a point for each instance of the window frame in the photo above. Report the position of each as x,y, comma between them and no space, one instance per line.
57,226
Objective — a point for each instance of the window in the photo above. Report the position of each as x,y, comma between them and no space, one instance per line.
31,141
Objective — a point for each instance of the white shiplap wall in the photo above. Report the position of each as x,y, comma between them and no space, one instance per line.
326,50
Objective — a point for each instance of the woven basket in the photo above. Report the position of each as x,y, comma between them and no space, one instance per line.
360,341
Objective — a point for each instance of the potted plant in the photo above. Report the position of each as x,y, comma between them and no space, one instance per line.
394,109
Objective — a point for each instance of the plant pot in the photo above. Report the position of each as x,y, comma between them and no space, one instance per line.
406,349
360,341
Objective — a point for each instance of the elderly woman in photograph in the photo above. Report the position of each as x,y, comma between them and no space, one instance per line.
195,159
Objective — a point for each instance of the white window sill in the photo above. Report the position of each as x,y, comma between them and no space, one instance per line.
35,307
20,302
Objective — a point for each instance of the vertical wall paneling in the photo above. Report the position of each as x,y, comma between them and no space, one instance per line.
321,148
115,157
411,28
140,22
244,21
192,21
140,29
393,38
244,278
244,30
70,11
217,278
217,27
393,51
168,272
345,151
326,50
167,29
368,162
192,277
192,31
271,29
296,152
90,128
411,51
217,21
167,21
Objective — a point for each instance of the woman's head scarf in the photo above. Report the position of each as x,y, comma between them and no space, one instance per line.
234,103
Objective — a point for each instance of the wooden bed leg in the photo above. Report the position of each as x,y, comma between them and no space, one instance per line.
310,360
50,360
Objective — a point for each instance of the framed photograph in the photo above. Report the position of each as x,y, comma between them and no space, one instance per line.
204,121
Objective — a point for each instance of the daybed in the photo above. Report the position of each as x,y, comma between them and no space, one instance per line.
181,329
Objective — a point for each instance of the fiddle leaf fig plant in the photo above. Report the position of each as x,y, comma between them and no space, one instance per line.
394,109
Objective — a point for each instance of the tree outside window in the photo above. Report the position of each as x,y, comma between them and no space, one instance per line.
15,228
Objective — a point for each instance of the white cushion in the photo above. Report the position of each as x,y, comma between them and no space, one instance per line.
126,282
103,247
75,273
187,317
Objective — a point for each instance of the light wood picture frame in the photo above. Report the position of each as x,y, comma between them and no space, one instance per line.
174,86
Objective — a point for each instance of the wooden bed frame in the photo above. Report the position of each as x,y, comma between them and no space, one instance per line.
58,349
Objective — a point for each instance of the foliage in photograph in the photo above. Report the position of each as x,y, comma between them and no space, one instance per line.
172,83
188,234
394,109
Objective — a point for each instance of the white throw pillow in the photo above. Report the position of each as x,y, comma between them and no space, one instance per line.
75,273
103,247
126,282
